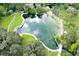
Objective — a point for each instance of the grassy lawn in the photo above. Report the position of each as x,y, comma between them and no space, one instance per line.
17,21
27,38
4,23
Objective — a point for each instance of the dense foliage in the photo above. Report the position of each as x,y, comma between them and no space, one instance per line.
10,42
11,45
34,49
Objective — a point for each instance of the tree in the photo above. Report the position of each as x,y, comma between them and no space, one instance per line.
10,43
2,10
19,7
34,49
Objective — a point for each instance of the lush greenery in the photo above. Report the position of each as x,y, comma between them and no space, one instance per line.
11,43
70,15
15,20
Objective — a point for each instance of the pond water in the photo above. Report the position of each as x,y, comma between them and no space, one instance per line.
43,28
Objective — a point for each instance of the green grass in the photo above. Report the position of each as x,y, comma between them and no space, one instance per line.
27,38
4,23
17,21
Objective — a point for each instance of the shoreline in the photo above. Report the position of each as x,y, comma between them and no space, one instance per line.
57,50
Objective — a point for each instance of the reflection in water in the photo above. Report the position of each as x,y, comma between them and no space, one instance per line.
43,28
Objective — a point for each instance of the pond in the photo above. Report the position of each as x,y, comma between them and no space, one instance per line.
44,28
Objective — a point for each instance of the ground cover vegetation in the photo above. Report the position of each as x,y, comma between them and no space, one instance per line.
11,43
